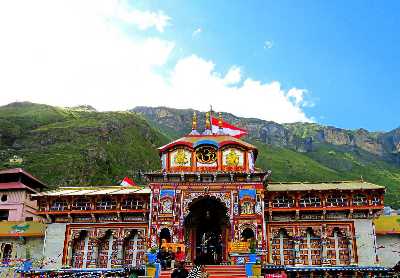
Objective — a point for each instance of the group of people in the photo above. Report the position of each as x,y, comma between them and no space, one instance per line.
176,260
168,258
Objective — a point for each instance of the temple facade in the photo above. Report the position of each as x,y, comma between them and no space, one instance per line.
209,199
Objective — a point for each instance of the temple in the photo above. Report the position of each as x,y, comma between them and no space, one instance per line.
210,200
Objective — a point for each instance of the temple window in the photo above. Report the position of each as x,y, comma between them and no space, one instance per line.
134,249
42,203
376,201
336,200
283,201
338,248
106,247
59,205
282,249
310,200
106,203
360,200
80,247
310,248
81,204
247,234
132,203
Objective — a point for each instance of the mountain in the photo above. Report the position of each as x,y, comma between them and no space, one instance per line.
80,146
76,146
304,151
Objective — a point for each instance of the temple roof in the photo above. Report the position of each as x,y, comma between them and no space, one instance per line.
216,140
340,185
387,224
88,191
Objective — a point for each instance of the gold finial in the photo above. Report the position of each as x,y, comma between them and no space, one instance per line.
208,123
194,121
220,120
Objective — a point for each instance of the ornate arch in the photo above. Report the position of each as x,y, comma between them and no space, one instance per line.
192,197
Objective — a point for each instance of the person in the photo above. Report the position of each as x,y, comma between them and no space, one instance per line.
180,255
171,256
164,258
180,271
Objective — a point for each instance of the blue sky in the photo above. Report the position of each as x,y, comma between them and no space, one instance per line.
333,62
345,53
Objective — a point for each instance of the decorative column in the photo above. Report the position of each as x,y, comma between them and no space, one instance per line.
296,250
120,251
324,249
94,256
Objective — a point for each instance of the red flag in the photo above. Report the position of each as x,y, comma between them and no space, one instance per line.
127,182
227,128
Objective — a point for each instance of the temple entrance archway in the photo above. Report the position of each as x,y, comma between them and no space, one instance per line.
207,224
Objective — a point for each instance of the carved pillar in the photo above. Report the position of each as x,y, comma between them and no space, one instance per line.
296,251
94,256
120,251
324,250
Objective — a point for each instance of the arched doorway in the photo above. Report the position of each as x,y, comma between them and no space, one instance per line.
207,223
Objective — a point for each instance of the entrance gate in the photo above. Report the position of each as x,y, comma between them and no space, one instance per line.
207,225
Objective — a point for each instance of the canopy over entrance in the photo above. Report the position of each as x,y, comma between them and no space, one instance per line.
207,223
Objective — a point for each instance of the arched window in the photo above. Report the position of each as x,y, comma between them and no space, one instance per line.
360,200
282,249
132,203
106,204
107,245
338,248
336,200
283,201
80,246
7,253
310,248
81,204
59,205
310,200
165,235
134,249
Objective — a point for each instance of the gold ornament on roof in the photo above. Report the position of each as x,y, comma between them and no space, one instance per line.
232,159
181,158
194,121
208,123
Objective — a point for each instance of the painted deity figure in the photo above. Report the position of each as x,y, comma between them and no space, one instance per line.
181,158
232,159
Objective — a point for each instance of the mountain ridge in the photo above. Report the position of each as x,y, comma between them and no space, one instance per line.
81,146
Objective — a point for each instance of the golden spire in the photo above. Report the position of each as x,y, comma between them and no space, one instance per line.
194,121
208,123
220,120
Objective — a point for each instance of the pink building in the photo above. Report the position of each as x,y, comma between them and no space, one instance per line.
16,187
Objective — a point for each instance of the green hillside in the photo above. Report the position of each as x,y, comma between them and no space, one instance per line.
74,147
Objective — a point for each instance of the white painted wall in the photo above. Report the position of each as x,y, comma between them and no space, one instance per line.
388,249
54,245
365,239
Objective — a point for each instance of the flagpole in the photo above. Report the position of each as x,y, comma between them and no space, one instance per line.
211,125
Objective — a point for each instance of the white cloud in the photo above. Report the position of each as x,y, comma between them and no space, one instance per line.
71,52
268,44
143,19
197,32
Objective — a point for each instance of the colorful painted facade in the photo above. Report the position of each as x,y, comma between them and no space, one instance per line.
211,200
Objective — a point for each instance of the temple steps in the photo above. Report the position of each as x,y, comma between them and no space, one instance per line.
217,271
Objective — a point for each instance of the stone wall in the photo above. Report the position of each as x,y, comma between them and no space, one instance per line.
366,244
54,245
388,249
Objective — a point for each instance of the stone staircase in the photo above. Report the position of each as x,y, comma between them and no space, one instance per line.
216,271
226,271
